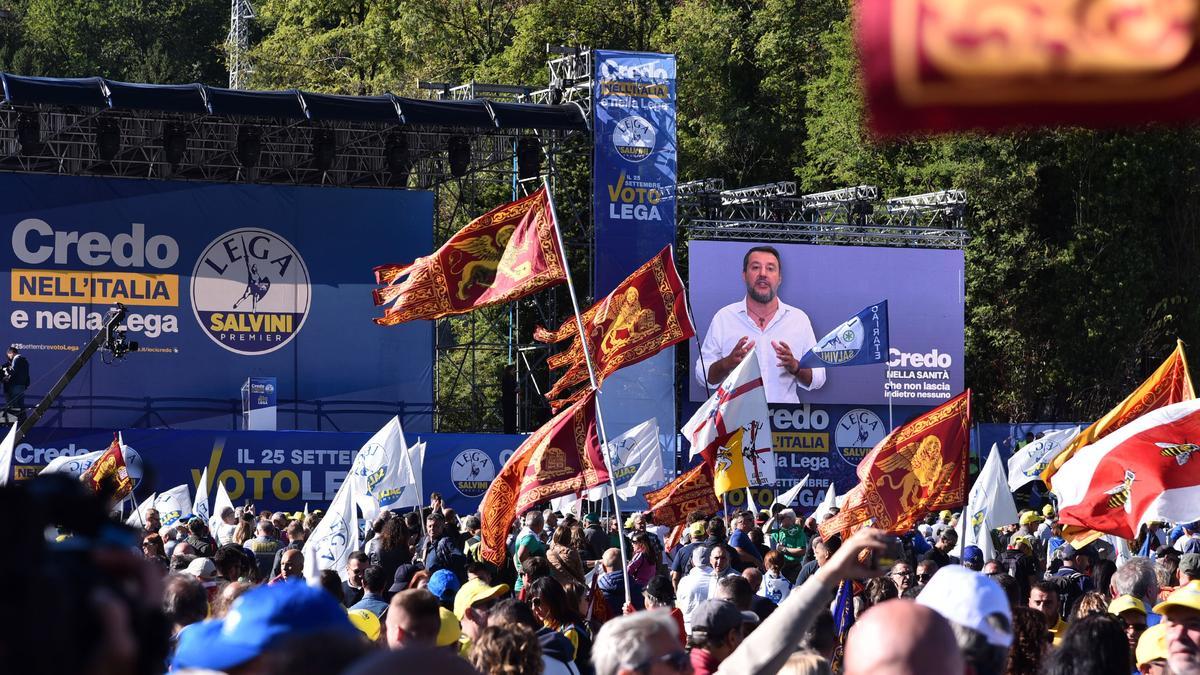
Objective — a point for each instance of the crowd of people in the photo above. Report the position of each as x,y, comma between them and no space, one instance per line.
739,593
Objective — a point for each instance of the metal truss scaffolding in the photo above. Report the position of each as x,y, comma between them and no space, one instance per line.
848,216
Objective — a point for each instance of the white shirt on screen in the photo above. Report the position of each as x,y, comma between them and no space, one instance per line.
790,324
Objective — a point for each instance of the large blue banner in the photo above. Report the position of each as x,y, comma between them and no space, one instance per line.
274,469
634,203
222,282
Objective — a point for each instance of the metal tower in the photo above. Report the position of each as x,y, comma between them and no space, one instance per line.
240,14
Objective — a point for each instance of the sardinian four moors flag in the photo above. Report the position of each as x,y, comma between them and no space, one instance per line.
861,340
562,457
1027,464
990,505
1148,470
740,402
506,253
1169,384
919,467
644,314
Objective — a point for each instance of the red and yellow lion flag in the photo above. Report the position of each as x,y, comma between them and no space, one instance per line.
507,253
691,491
109,473
643,315
918,468
563,457
1170,384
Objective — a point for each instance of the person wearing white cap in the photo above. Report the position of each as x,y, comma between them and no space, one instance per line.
978,612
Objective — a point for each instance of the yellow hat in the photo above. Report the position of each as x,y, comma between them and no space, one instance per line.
1185,596
474,591
945,514
1048,510
366,622
1030,518
1152,645
698,529
451,629
1125,603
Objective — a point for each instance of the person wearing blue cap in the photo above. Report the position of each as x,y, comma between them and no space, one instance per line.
444,585
258,622
972,557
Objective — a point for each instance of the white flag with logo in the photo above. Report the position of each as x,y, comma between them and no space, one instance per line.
138,517
381,476
827,504
740,401
173,504
221,503
989,505
6,455
416,468
335,537
788,497
636,458
75,465
200,505
1026,464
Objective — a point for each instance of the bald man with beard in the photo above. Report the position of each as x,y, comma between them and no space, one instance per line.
900,637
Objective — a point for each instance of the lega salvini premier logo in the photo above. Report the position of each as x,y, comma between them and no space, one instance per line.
251,291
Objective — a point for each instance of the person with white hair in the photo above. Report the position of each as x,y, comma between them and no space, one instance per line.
642,642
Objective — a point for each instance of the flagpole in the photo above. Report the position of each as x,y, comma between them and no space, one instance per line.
587,356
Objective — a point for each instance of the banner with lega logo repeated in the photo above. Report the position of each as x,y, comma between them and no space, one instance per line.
222,282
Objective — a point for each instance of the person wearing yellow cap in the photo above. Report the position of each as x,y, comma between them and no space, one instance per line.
366,622
1151,654
1181,613
451,629
471,605
1132,613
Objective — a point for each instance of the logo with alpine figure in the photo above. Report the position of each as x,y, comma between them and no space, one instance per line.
472,472
251,291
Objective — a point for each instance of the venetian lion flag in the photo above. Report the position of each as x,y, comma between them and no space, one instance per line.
562,457
506,253
644,314
1148,470
740,401
1171,383
918,468
692,491
108,474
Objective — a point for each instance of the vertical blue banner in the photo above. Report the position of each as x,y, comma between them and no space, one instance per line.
634,173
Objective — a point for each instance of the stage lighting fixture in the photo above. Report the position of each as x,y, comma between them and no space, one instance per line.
395,155
29,133
249,146
458,152
324,149
529,158
108,140
174,142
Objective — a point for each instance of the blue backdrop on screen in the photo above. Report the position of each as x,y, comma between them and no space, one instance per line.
275,469
634,173
222,282
828,431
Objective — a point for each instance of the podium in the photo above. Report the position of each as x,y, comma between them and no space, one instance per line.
259,404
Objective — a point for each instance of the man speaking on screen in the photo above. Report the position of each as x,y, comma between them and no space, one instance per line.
762,319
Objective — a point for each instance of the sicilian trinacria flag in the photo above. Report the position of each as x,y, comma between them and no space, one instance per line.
860,340
740,401
1148,470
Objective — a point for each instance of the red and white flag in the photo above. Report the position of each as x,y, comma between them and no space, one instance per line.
740,401
1148,470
